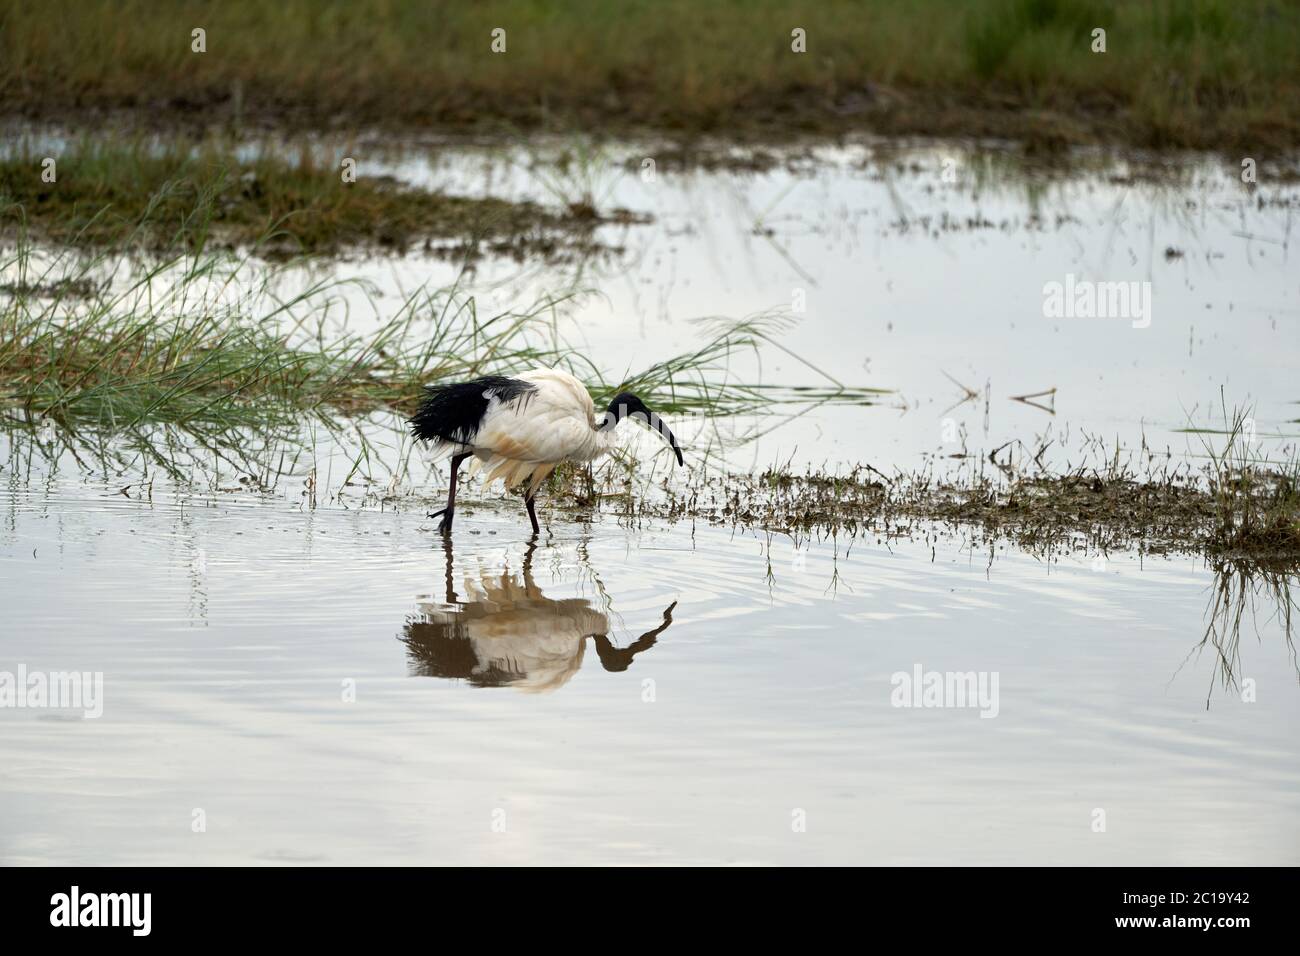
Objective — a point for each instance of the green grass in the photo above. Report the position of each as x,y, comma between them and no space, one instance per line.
169,196
202,340
1257,503
1218,73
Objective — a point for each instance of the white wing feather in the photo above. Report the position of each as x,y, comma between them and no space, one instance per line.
532,435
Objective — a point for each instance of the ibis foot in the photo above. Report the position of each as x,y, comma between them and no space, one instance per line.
445,524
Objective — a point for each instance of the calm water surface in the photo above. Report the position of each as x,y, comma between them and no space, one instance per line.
341,687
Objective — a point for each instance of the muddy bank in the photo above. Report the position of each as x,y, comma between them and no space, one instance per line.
1244,514
1104,513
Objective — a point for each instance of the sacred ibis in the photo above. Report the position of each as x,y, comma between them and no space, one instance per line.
521,427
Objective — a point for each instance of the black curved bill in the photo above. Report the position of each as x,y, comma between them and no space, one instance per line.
658,424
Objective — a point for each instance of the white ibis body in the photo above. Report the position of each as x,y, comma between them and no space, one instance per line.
519,428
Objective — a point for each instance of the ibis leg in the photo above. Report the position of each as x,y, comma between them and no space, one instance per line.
450,511
532,513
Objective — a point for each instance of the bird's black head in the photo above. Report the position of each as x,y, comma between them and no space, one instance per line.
626,405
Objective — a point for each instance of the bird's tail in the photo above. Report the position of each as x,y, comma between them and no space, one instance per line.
512,472
452,413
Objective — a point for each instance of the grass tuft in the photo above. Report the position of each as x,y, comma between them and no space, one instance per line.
196,341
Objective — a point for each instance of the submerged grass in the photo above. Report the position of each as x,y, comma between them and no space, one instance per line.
1238,507
1234,505
1204,73
1098,512
173,195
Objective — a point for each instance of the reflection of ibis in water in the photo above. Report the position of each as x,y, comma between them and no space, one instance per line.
507,632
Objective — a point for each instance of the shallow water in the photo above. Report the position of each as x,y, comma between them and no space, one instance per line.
320,676
545,713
